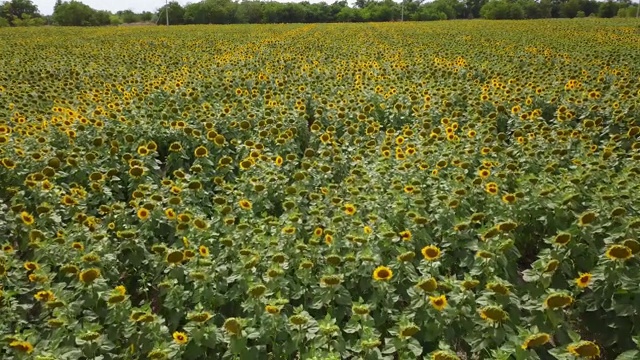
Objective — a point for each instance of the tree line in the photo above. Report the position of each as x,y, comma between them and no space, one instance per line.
75,13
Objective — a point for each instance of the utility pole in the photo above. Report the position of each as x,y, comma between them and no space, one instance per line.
402,11
638,10
166,10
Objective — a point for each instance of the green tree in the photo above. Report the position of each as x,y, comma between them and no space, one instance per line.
501,9
15,9
272,13
546,8
249,11
429,13
570,9
146,16
451,8
608,9
363,3
75,13
128,16
176,13
220,11
473,7
27,20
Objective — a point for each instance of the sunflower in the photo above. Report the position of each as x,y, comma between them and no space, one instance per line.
583,280
201,152
219,140
136,172
586,218
406,256
44,296
557,301
493,313
584,349
491,188
31,266
200,224
498,288
27,218
170,214
278,161
535,340
271,309
200,317
444,355
245,204
562,238
619,252
180,338
175,257
509,198
632,244
331,280
431,252
382,273
175,147
8,163
184,218
143,214
21,346
203,250
157,355
551,266
328,239
507,226
233,326
409,189
438,302
470,284
142,150
89,276
349,209
116,299
318,232
405,235
288,230
484,173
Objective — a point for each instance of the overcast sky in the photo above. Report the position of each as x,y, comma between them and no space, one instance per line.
46,6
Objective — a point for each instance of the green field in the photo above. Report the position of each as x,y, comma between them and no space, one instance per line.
443,190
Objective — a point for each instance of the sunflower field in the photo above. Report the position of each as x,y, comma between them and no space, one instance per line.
447,190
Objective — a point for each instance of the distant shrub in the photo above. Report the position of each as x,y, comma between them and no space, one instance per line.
502,10
115,20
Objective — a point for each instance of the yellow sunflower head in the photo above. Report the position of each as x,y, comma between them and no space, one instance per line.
431,252
382,273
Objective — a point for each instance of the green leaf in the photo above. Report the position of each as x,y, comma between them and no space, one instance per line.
415,347
629,355
574,336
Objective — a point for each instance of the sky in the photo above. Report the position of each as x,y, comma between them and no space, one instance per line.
46,6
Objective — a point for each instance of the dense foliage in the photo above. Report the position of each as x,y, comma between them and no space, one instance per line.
229,12
458,190
20,13
75,13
